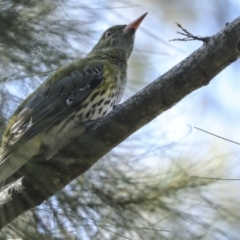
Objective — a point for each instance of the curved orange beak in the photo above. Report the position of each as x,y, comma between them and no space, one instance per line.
135,24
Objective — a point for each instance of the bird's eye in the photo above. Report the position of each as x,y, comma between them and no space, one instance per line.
108,34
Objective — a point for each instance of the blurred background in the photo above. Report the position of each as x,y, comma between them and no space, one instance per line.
166,181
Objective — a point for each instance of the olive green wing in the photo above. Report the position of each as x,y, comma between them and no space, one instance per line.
54,103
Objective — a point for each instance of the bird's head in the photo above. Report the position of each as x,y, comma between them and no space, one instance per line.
119,38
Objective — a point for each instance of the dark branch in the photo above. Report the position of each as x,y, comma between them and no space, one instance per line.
42,179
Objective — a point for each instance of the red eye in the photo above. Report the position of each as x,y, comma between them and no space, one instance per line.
108,34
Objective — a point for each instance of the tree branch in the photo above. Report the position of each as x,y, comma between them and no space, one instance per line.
42,179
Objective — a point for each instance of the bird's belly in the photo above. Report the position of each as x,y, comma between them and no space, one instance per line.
95,113
62,134
99,107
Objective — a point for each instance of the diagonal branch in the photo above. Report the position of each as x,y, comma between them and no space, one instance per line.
42,179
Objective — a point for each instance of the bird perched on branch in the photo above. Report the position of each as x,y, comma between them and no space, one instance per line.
54,114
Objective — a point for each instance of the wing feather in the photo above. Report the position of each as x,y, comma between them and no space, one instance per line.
52,104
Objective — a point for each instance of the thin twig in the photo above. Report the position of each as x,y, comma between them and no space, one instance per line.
217,136
189,36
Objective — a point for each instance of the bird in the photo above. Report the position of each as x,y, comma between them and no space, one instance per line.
85,90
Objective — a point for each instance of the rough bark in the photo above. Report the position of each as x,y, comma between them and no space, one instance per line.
42,179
